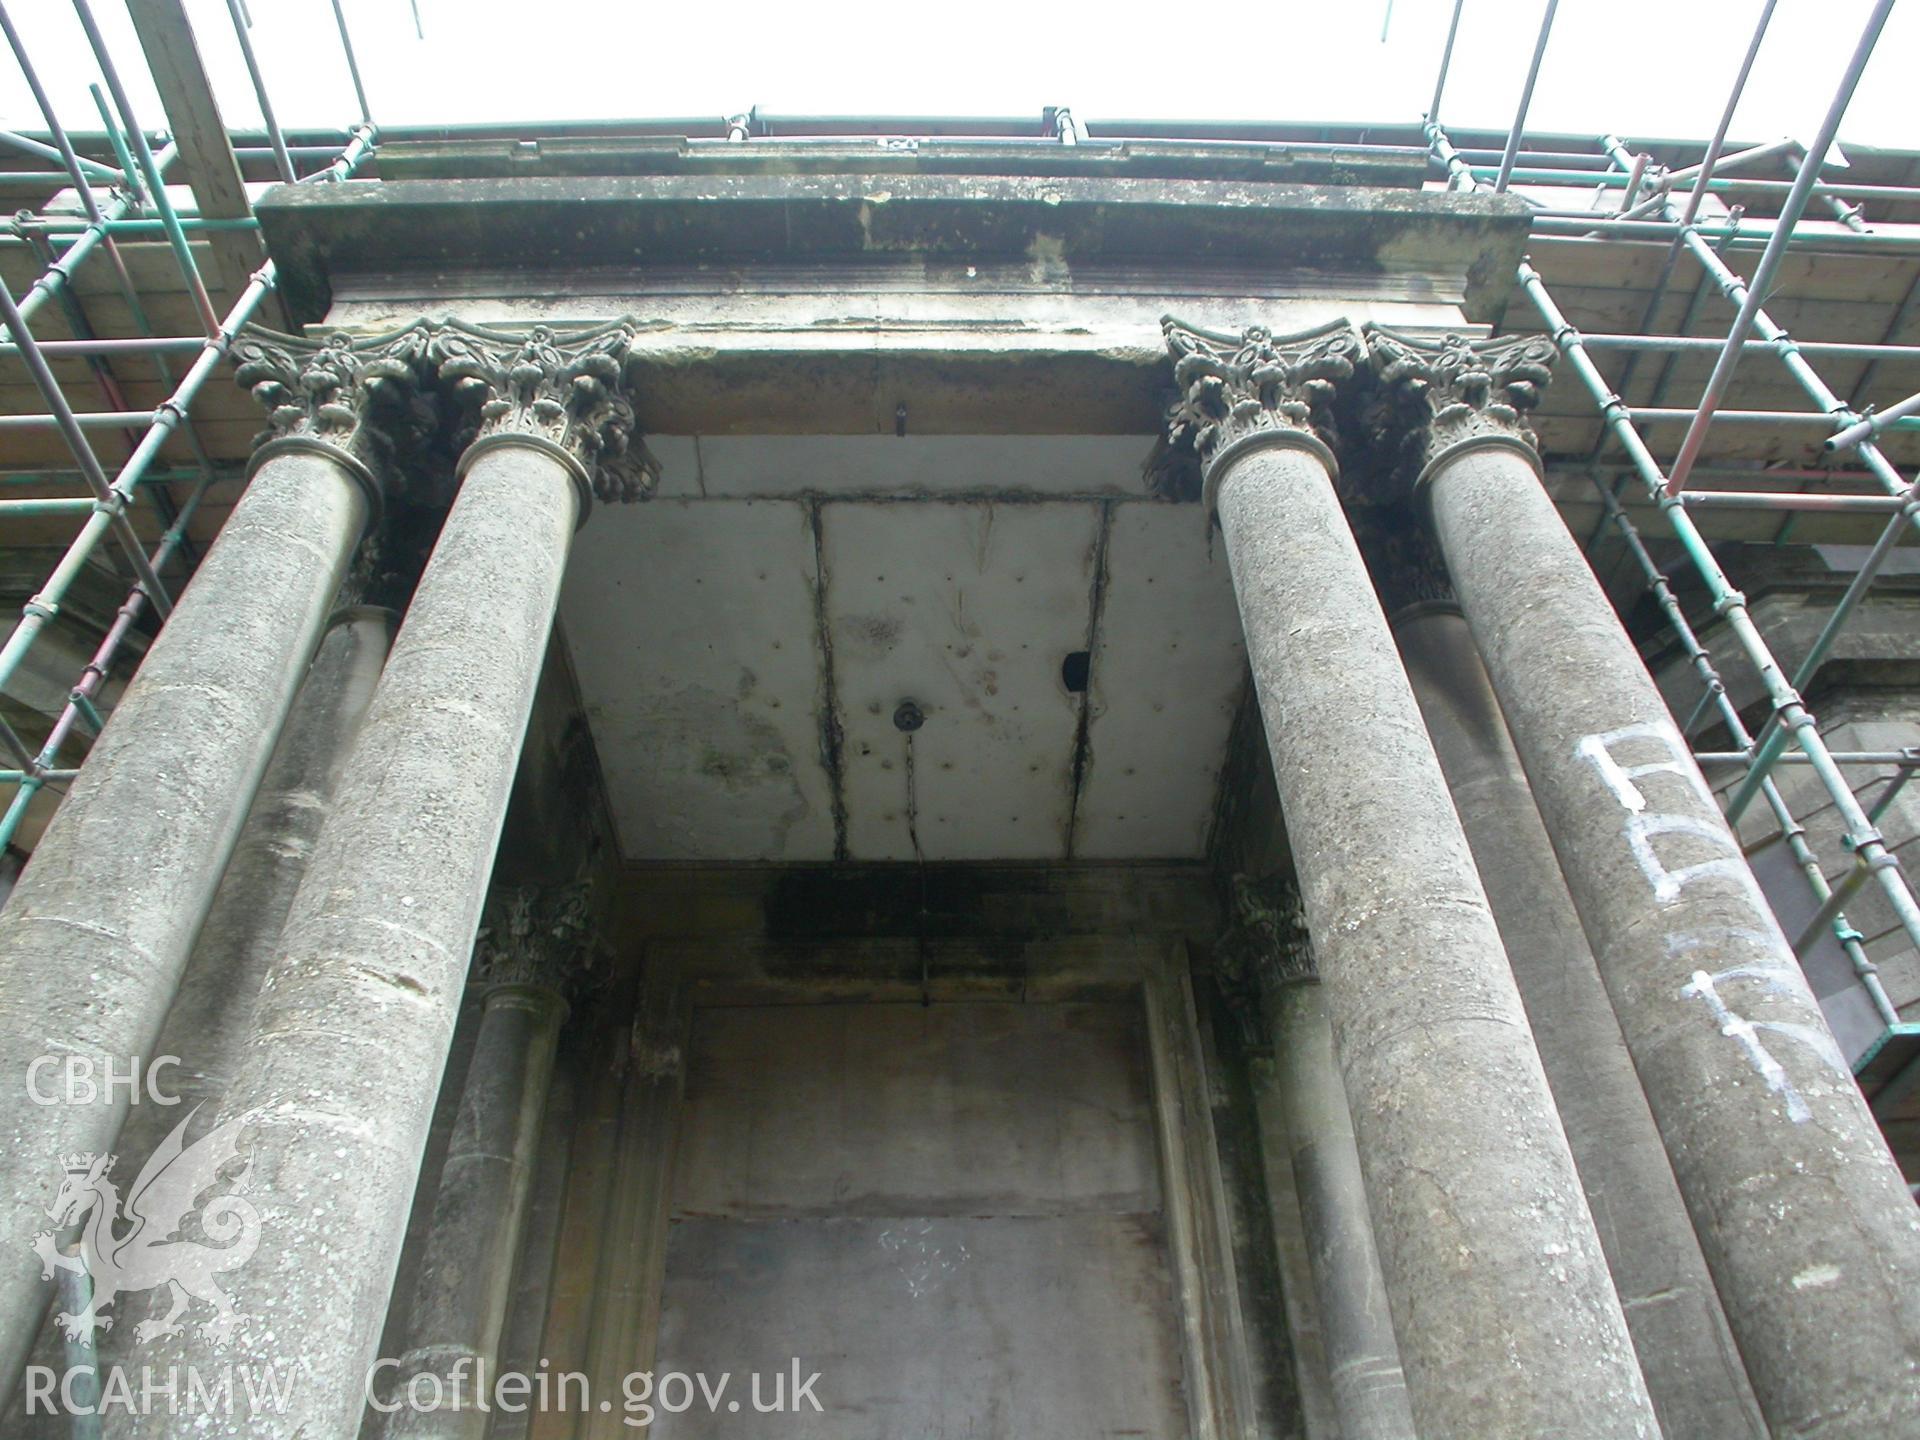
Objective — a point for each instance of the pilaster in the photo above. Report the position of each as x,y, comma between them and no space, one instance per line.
1402,557
1271,977
531,950
1265,949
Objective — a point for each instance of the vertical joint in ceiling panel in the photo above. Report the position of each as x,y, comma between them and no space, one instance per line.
831,733
1096,606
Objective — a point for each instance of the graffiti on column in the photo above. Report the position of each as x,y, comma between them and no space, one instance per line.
1646,823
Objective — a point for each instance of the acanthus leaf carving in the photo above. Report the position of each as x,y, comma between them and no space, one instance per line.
1232,386
357,395
1265,947
567,390
541,936
1459,390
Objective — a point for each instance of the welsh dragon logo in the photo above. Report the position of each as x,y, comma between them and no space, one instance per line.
151,1252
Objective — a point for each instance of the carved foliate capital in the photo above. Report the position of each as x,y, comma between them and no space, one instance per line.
539,936
358,398
565,391
1457,391
1233,388
1265,946
1267,941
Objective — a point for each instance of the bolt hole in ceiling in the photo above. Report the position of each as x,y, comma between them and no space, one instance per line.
745,644
1074,671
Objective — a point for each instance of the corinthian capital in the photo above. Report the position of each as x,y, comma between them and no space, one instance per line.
1237,389
1264,947
540,936
566,392
358,399
1464,392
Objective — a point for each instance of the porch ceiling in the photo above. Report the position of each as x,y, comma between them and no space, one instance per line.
742,644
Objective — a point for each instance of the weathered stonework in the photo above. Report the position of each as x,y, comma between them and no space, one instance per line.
1240,391
1265,947
371,402
563,393
538,936
1267,944
359,401
1415,982
1458,392
363,1045
1781,1178
171,779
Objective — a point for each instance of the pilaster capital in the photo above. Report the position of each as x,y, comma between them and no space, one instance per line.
1265,948
356,399
536,937
1238,391
564,393
1461,393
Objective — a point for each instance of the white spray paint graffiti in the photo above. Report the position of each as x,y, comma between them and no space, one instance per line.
1643,826
1748,1034
924,1260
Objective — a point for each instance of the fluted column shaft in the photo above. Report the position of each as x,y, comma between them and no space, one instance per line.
1686,1353
1802,1215
100,925
479,1215
1507,1321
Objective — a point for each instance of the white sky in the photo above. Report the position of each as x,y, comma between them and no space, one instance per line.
1644,68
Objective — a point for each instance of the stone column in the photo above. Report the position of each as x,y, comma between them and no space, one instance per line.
1686,1353
532,944
99,928
1810,1235
1508,1323
1268,948
211,1020
336,1091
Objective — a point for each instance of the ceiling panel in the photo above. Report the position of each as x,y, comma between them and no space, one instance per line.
707,642
1166,679
968,610
692,631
